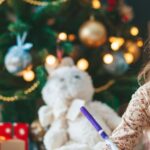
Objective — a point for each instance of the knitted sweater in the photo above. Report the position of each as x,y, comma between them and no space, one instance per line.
134,121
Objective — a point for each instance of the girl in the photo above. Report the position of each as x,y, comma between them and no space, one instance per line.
136,119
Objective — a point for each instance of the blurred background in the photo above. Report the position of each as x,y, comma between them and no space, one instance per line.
104,37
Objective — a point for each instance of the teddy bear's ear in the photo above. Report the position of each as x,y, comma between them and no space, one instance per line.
67,61
51,68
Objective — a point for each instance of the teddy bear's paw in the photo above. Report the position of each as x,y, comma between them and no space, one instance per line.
75,147
55,139
45,116
100,146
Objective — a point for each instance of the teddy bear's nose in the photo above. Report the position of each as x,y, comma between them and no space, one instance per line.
62,79
77,76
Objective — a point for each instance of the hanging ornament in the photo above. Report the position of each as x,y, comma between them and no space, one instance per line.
126,12
118,65
132,48
93,33
28,75
18,57
83,64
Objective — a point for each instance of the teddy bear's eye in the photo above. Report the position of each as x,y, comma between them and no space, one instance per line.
77,76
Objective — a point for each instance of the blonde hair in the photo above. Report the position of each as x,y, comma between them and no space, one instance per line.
144,75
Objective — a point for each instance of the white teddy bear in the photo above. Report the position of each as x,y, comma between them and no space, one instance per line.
66,90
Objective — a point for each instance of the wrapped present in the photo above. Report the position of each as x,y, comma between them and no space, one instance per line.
15,131
13,144
5,131
21,131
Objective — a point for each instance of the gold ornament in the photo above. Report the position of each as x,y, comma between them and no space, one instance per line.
133,49
93,33
37,132
2,1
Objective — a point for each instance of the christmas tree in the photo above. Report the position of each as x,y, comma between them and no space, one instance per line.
98,35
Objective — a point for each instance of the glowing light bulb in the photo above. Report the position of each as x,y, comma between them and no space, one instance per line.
83,64
28,75
51,60
71,37
62,36
115,46
140,43
116,42
129,58
134,31
108,58
96,4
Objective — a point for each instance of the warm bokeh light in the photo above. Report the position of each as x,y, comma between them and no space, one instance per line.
71,37
83,64
62,36
116,42
28,75
129,58
108,58
51,60
115,46
140,43
134,31
96,4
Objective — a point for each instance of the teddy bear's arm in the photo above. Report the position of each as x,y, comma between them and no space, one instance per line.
110,116
45,116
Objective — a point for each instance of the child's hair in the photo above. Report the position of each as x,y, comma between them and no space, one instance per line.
144,75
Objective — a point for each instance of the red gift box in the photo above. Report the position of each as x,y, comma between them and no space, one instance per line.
16,131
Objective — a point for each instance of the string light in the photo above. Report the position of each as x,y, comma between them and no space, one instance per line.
108,58
140,43
28,75
15,97
51,60
134,31
32,88
96,4
36,2
83,64
62,36
129,58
